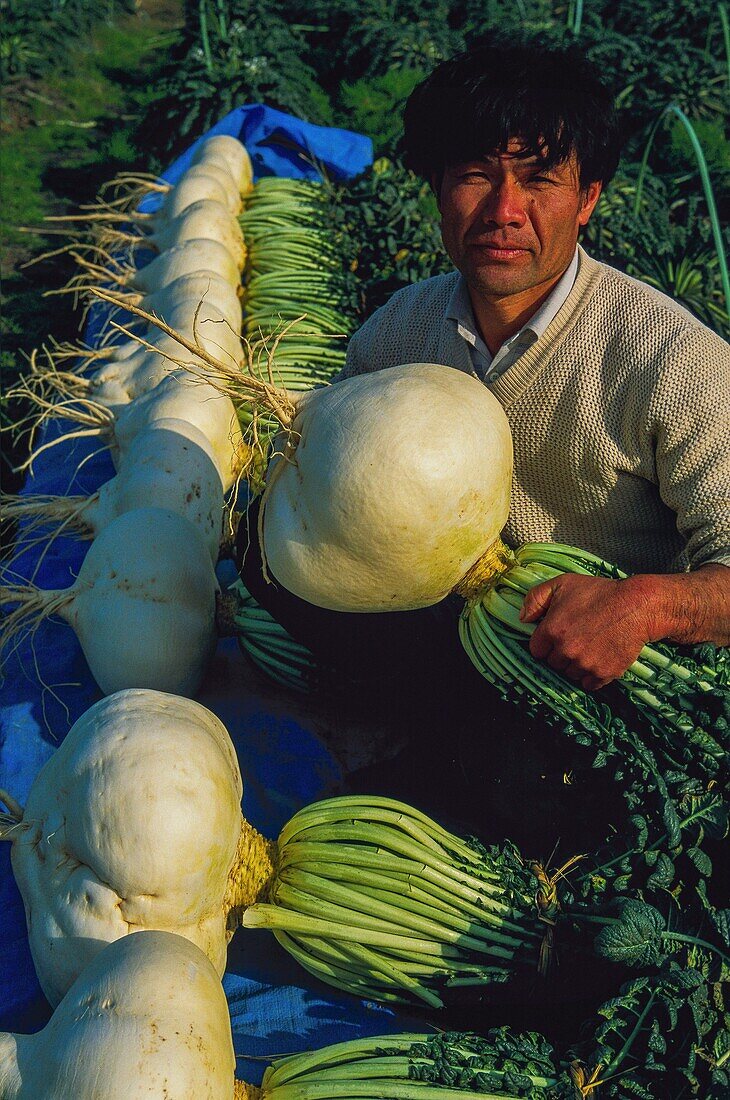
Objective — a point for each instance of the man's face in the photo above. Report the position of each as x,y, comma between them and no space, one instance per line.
511,225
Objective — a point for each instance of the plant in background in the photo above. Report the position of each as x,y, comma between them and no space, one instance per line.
259,59
36,36
375,106
390,34
474,17
389,225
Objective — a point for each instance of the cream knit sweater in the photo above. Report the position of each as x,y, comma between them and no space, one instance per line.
620,416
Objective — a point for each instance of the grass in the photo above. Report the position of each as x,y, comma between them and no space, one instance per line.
62,137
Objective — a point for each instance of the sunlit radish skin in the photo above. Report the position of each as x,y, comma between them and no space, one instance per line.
189,258
197,188
211,170
142,605
171,466
132,369
192,318
182,398
136,370
132,823
147,1020
381,504
201,287
205,219
230,151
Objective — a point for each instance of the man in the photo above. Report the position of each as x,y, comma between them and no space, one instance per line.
617,397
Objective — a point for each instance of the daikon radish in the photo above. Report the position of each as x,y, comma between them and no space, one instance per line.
188,191
147,1020
142,605
179,395
201,287
345,529
198,403
134,822
226,149
206,219
169,465
223,175
189,258
136,370
104,847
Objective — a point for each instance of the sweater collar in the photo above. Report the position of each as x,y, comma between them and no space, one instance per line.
461,311
511,384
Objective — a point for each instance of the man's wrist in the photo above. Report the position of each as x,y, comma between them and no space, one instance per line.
685,608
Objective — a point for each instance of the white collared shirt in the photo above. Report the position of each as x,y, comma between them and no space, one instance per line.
487,366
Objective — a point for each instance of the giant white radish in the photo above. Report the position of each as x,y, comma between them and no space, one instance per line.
146,1020
372,505
145,186
223,148
189,258
179,395
142,605
229,162
205,219
105,847
168,465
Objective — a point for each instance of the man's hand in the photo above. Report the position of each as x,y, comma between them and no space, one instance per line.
592,629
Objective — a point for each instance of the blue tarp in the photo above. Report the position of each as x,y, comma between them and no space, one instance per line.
275,1006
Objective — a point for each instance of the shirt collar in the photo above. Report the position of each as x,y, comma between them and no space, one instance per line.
460,309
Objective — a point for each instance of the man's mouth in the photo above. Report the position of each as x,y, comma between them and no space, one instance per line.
497,250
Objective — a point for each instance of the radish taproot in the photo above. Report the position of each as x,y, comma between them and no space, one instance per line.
205,219
142,605
168,465
179,395
189,258
147,1019
223,148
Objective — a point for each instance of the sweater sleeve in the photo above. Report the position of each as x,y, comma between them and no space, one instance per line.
409,328
378,342
691,427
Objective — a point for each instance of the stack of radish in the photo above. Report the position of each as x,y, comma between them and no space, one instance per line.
143,604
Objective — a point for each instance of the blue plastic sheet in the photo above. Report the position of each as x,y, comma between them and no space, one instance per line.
275,1006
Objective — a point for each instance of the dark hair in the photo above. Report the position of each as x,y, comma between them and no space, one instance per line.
553,99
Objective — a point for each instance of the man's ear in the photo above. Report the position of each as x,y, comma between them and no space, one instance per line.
589,197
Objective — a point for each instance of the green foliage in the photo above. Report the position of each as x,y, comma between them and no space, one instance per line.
679,157
666,243
66,130
636,937
36,36
646,1045
501,1062
388,34
375,107
250,55
388,223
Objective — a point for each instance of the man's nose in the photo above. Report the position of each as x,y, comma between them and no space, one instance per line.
504,205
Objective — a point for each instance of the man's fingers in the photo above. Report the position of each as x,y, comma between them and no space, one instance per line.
537,601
